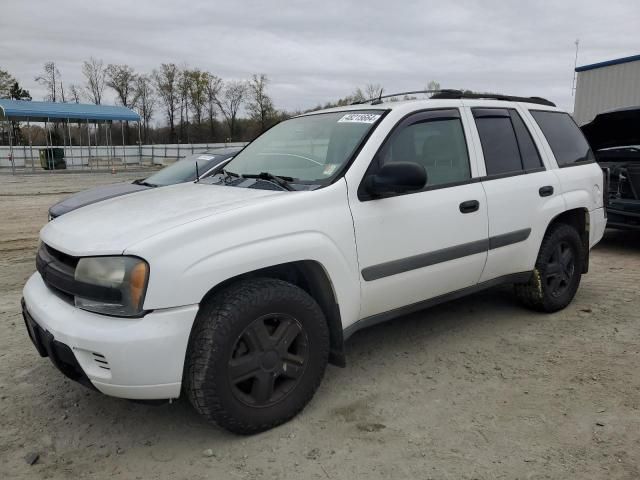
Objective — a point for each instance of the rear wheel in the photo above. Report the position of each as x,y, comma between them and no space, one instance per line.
257,353
557,273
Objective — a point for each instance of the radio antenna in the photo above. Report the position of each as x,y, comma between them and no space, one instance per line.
575,65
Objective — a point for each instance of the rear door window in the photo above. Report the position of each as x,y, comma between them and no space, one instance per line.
498,139
565,138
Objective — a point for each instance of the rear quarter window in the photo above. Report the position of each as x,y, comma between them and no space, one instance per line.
565,138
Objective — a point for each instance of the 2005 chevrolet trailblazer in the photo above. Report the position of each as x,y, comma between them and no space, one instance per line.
240,288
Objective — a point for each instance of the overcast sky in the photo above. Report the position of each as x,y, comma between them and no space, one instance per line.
315,51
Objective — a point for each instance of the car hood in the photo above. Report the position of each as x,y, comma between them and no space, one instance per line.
93,195
109,227
616,128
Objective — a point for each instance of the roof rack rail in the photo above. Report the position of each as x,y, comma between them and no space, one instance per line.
445,94
378,100
458,94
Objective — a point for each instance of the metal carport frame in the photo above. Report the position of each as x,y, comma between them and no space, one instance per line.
52,112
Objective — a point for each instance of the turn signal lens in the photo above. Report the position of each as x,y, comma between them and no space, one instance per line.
138,283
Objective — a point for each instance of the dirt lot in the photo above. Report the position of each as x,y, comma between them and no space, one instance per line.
477,388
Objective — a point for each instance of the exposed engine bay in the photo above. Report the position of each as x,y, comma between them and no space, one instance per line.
615,138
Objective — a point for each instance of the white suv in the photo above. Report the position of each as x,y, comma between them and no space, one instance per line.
240,288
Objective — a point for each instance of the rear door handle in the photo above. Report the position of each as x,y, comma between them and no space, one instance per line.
546,191
469,206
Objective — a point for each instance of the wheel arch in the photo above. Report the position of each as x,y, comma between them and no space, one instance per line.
311,277
579,219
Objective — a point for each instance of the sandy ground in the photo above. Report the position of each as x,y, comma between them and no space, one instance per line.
475,389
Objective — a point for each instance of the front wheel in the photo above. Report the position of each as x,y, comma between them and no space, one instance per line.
256,356
558,271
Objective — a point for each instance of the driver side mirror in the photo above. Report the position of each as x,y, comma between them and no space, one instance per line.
396,177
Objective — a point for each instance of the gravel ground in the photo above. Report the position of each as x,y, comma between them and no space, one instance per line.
478,388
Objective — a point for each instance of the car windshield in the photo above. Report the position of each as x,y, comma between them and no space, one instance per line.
183,170
309,149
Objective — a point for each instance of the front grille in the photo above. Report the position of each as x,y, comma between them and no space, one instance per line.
68,260
57,270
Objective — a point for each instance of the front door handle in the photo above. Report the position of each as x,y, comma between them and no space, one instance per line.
469,206
546,191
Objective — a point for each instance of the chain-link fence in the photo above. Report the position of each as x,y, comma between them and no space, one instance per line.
41,159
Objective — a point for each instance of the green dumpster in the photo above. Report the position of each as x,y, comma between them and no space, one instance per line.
52,159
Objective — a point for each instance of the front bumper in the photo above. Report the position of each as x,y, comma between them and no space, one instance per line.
625,217
136,358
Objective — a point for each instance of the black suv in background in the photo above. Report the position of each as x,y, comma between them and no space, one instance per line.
615,138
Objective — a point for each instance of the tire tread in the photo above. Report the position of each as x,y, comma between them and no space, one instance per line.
212,329
532,294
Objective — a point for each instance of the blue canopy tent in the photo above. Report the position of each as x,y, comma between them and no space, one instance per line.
50,112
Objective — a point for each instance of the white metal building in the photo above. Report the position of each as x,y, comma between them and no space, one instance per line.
605,86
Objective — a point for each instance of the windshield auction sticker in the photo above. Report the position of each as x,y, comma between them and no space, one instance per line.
330,168
359,118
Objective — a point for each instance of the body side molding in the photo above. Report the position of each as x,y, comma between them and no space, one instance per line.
375,272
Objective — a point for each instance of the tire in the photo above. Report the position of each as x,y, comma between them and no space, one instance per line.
257,354
557,273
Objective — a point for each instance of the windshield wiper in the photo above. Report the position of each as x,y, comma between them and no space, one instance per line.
227,173
144,183
283,182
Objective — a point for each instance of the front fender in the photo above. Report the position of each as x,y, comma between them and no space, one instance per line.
204,274
186,264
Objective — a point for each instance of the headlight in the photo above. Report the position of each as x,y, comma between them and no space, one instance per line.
112,285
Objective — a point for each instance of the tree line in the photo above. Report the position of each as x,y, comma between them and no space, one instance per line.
197,106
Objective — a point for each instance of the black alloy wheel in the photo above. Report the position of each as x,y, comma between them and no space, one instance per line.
560,269
257,354
268,360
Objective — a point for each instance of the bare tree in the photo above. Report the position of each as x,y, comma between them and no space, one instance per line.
433,85
357,96
76,95
197,84
184,81
63,99
49,78
260,106
214,87
166,83
122,79
230,102
94,74
74,91
373,90
146,102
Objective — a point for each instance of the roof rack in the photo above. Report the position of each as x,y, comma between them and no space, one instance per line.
493,96
378,100
458,94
